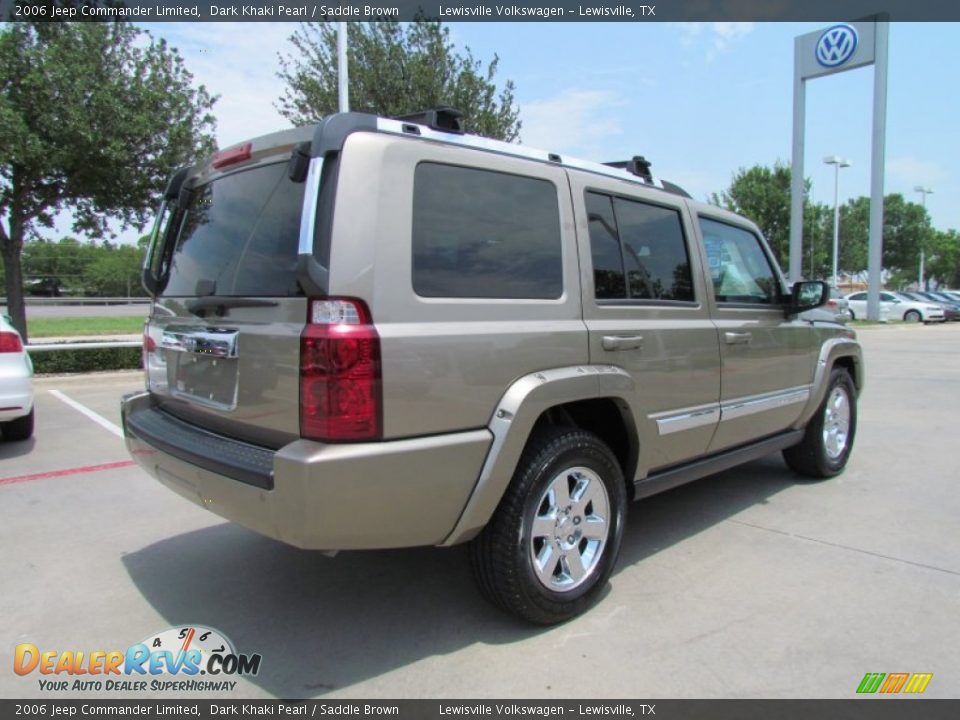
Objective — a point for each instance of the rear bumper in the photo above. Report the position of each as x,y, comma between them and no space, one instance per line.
16,394
398,493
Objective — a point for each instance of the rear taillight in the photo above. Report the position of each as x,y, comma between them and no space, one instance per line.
340,389
149,345
10,342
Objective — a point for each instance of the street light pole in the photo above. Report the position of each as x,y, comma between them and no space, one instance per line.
924,191
343,83
837,162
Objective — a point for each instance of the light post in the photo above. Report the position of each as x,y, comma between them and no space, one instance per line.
837,162
924,191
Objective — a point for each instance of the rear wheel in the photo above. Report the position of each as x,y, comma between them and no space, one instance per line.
828,439
19,429
549,549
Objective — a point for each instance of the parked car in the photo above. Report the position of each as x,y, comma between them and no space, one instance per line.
381,332
897,307
42,286
950,305
836,309
16,385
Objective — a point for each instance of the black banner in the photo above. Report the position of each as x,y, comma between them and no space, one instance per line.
475,11
861,709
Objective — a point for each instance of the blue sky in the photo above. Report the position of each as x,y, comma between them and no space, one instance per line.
699,100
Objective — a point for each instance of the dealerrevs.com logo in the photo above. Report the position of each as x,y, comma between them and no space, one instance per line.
191,658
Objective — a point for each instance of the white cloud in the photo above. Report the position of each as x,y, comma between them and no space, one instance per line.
238,62
578,122
909,172
718,36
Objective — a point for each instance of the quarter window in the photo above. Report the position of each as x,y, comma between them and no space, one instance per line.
484,234
638,250
739,268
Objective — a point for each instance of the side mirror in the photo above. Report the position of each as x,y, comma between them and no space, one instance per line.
807,295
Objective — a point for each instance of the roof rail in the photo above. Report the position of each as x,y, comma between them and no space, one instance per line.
443,118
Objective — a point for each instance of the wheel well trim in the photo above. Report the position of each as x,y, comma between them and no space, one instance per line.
832,353
515,418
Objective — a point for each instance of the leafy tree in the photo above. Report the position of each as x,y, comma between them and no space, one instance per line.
763,194
943,258
93,118
394,69
905,225
116,273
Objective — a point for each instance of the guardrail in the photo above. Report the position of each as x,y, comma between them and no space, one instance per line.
81,301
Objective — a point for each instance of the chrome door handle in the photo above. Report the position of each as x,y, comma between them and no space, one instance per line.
622,342
735,338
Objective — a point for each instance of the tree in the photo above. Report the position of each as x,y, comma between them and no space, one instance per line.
93,118
394,69
763,195
905,225
943,258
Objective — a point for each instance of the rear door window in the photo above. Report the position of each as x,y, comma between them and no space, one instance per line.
638,250
239,236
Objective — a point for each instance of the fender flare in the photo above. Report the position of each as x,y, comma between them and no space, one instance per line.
513,421
831,351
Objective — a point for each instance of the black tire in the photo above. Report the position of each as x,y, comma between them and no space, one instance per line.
503,555
818,455
912,316
19,429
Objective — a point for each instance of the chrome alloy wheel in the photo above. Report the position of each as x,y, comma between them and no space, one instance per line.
836,423
570,529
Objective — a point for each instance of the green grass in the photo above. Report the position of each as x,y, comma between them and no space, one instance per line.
55,327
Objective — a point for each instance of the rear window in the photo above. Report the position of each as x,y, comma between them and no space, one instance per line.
484,234
239,237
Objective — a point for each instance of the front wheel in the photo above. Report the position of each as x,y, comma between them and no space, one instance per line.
828,439
912,316
551,545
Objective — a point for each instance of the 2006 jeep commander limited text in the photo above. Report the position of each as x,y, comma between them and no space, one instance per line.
377,333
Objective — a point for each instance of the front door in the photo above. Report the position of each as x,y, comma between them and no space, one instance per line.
767,357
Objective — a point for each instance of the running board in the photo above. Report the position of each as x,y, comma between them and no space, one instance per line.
674,477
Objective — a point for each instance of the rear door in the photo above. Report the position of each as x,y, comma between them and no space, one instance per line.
645,310
224,332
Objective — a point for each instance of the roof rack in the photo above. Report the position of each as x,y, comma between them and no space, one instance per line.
443,118
443,125
637,165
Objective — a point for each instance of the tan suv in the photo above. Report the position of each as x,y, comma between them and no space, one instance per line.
377,333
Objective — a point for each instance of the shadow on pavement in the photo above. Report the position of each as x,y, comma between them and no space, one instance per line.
15,448
324,623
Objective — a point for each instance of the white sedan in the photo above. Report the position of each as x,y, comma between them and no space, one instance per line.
16,386
898,307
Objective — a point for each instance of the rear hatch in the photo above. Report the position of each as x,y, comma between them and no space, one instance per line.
222,343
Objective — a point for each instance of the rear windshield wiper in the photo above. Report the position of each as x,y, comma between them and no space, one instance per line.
222,304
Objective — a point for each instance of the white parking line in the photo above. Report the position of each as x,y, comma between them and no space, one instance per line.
98,419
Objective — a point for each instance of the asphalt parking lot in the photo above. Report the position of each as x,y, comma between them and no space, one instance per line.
746,584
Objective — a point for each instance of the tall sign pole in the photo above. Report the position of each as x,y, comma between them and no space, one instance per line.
838,48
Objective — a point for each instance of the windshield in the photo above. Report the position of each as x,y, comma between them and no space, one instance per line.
238,236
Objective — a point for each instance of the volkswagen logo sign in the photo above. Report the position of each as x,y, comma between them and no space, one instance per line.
836,45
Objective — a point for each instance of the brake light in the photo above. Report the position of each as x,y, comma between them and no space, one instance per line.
231,156
10,342
340,382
